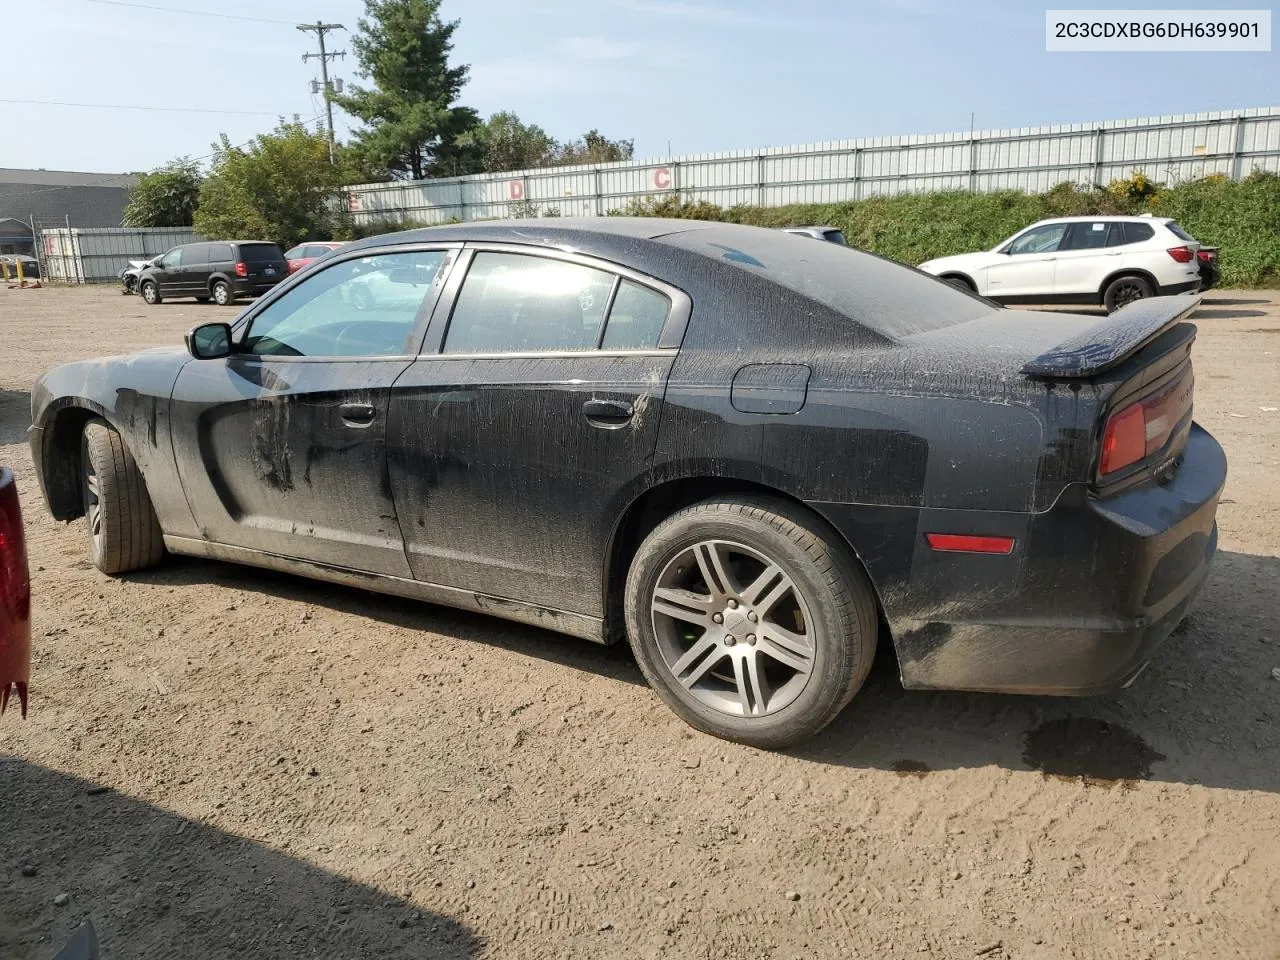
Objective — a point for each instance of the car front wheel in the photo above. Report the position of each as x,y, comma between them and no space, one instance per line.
123,531
150,292
750,621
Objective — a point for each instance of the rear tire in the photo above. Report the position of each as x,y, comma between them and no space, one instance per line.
222,293
1123,291
775,623
124,533
150,292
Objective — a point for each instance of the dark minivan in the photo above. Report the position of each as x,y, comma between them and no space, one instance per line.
219,271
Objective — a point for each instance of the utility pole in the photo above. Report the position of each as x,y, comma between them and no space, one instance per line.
324,56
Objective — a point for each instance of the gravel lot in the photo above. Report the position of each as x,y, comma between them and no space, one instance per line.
223,762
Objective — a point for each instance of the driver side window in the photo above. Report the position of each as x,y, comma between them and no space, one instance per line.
365,307
1039,240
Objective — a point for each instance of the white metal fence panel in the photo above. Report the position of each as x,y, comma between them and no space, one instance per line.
97,254
1169,149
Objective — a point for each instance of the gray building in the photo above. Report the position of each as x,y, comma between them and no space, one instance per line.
51,196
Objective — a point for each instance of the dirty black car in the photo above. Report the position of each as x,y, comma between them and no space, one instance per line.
751,457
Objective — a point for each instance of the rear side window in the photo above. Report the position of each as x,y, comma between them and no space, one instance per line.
1138,232
195,254
636,318
515,303
835,236
1178,232
260,253
296,253
219,253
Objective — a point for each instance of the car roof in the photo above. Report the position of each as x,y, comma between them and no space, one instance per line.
545,230
1106,217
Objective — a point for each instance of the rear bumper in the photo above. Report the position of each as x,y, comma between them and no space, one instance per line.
1089,592
249,286
1173,289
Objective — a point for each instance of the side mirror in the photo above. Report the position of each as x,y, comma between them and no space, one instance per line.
209,341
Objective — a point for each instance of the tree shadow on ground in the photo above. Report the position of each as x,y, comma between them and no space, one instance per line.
157,884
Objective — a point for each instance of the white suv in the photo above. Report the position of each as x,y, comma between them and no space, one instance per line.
1097,260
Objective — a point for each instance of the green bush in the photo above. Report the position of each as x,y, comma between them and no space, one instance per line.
1242,217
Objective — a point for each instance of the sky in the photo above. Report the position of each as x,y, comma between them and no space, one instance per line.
677,76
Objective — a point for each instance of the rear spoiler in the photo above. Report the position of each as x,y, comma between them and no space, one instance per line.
1113,340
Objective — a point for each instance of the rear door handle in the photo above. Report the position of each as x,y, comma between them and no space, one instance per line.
357,414
608,413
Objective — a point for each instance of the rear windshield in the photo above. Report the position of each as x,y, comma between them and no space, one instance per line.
260,252
888,297
1178,232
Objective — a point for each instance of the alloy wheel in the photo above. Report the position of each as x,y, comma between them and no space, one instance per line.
1127,293
93,502
733,628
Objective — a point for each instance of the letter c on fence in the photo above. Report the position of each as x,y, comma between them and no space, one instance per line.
515,189
662,178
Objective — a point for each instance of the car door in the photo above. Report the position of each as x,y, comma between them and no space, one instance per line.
193,270
1025,266
167,273
1088,253
516,439
281,446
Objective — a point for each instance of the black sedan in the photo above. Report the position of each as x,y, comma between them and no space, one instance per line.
752,457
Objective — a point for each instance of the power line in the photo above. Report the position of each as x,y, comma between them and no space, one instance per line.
194,13
136,106
320,28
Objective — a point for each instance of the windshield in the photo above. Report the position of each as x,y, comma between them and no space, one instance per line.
888,297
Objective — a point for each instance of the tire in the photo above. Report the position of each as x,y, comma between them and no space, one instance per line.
123,531
961,283
1123,291
223,295
150,292
808,672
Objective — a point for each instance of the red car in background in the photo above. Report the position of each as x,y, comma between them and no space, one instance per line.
15,597
304,253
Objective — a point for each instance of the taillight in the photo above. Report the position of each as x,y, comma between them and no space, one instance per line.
1181,254
242,269
1205,256
1143,427
15,587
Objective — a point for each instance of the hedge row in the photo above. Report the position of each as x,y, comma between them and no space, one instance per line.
1242,217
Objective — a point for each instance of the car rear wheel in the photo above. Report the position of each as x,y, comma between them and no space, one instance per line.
1123,291
150,292
750,621
123,531
222,293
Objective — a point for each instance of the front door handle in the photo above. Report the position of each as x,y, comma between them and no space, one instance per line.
608,413
357,414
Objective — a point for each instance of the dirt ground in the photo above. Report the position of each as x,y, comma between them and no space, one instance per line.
223,762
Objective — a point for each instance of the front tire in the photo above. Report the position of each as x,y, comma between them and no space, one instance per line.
750,620
222,293
123,531
1123,291
150,292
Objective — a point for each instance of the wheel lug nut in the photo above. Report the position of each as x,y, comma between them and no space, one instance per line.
730,640
732,604
717,618
751,639
751,615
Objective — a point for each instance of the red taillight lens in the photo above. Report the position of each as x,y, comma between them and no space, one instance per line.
1181,254
1125,439
1205,256
1145,426
242,269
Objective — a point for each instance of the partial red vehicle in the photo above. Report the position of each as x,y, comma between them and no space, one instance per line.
305,253
15,598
